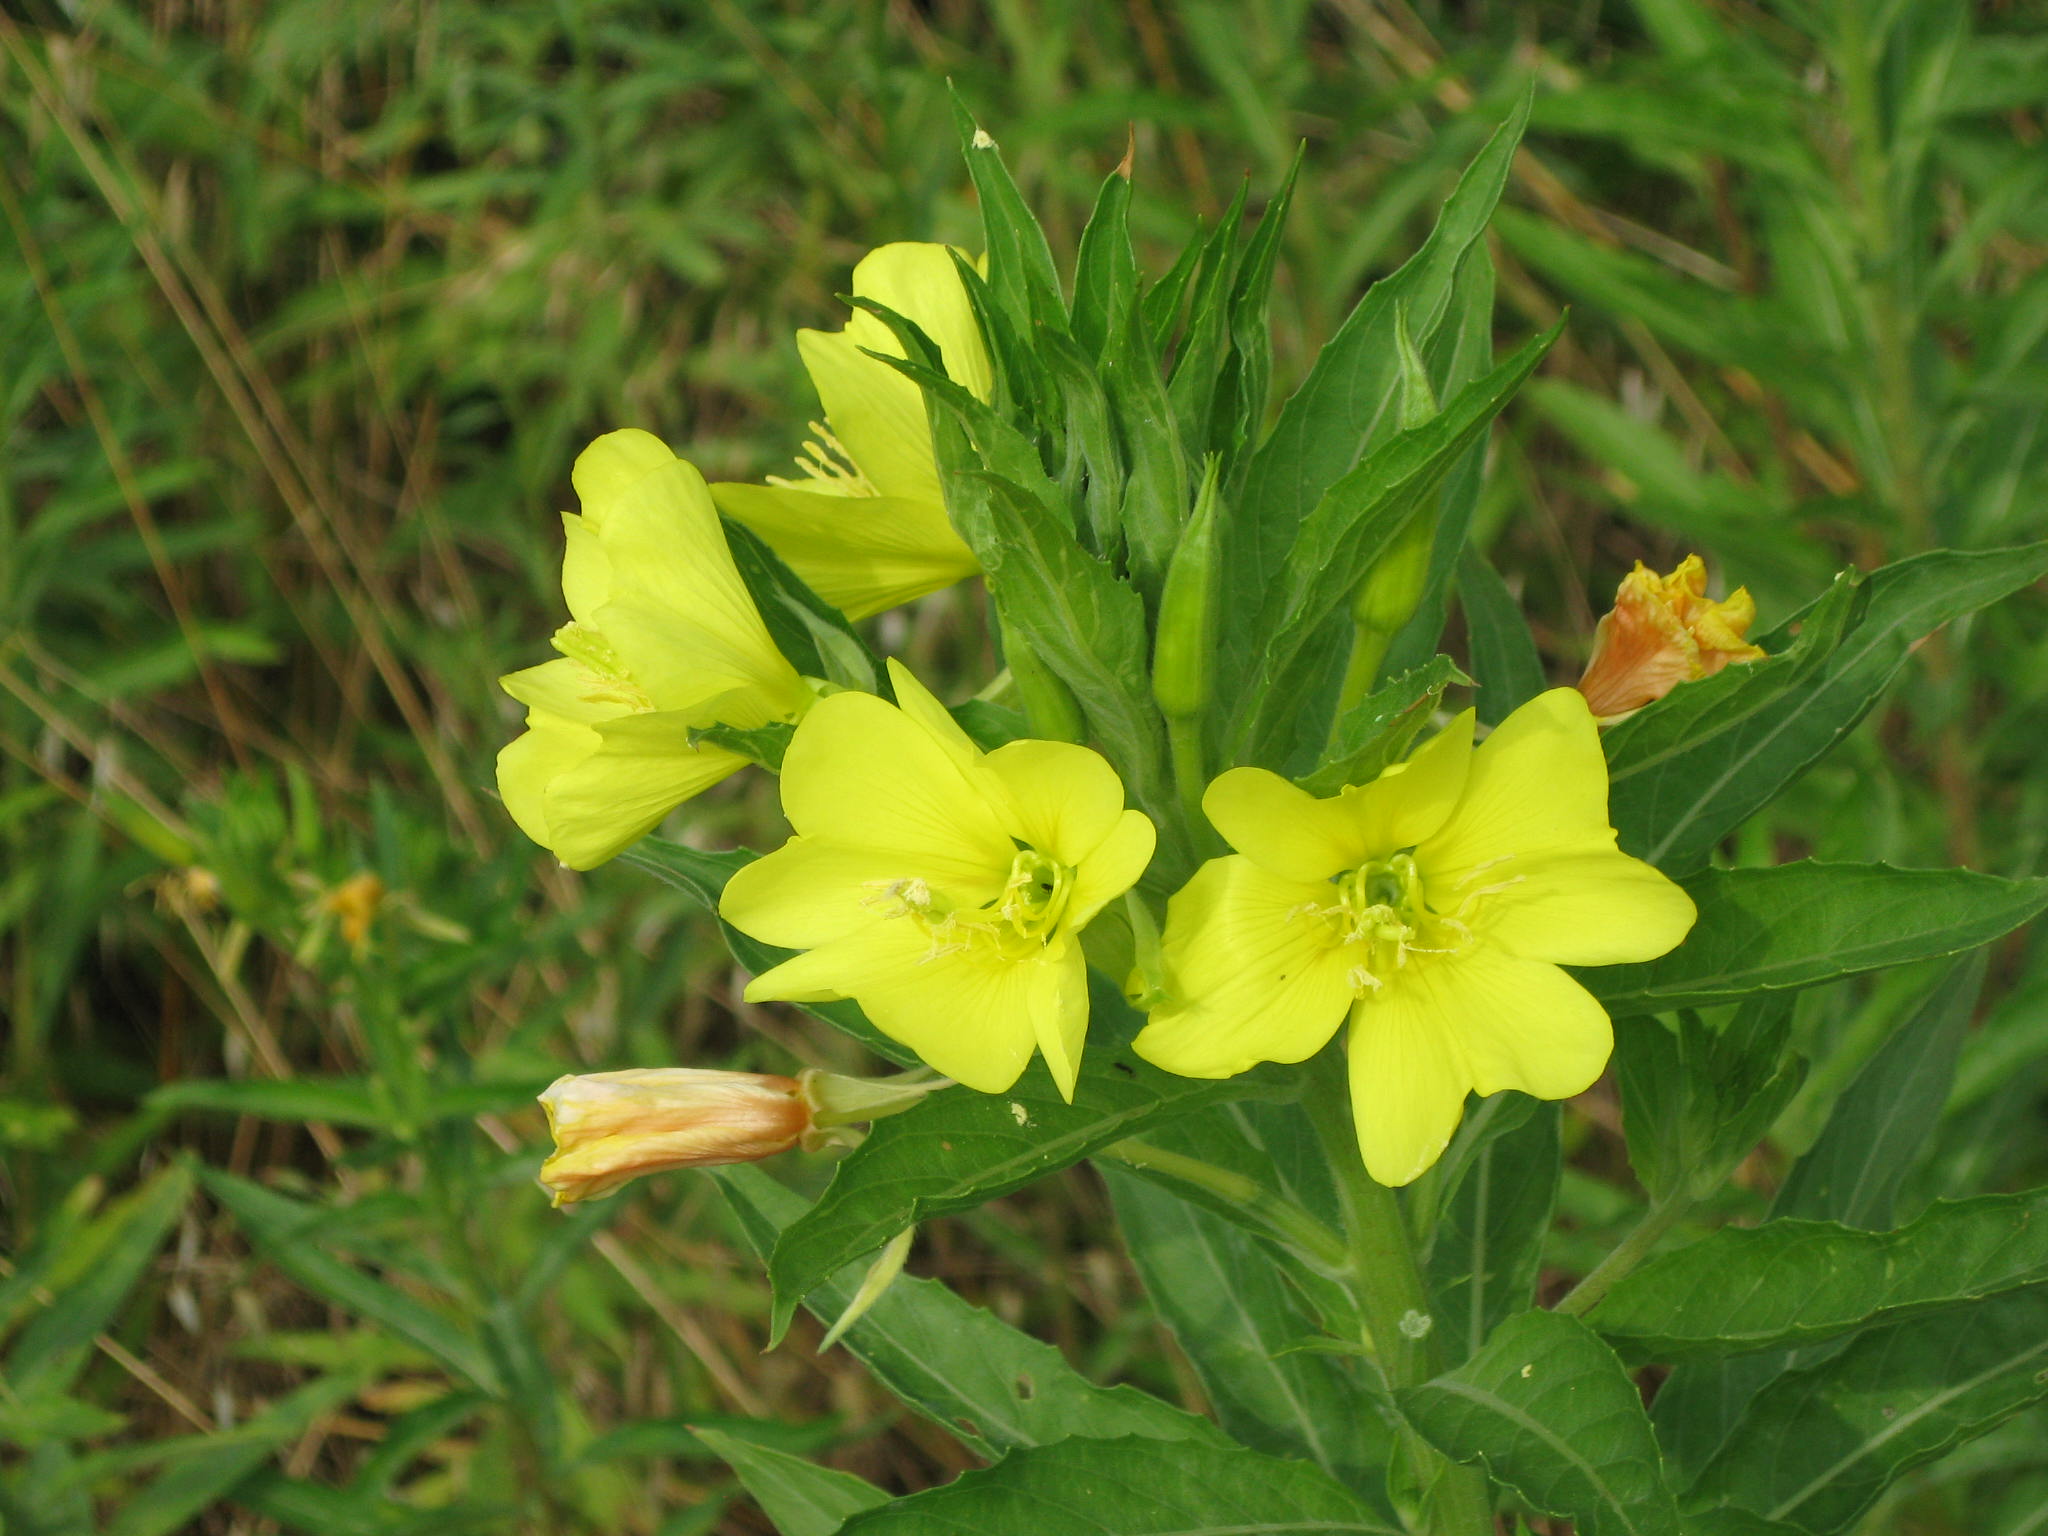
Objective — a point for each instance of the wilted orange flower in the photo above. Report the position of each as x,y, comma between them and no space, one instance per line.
1663,631
612,1127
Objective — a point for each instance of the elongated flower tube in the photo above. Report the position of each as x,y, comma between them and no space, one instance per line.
1432,908
942,888
865,525
1663,631
613,1127
663,639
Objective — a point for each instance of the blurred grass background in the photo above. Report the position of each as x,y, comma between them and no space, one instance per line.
305,309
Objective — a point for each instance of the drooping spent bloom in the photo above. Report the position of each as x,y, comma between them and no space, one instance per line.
613,1127
663,639
865,523
1663,631
942,888
1432,908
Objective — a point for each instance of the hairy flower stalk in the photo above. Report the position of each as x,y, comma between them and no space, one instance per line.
865,524
663,641
1433,908
1663,631
942,888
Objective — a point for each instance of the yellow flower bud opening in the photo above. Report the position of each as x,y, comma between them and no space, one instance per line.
1663,631
613,1127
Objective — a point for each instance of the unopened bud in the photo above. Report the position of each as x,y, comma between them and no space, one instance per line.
1183,653
1663,631
612,1127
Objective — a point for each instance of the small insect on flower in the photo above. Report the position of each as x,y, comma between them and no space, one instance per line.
613,1127
865,526
663,640
941,887
1663,631
1433,907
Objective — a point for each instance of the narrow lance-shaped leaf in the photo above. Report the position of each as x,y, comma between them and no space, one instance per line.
1549,1410
984,1382
1105,268
800,1497
1798,1282
959,1149
1820,1444
1083,1487
1020,265
1797,925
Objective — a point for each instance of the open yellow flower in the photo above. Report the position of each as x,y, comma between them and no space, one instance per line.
1432,906
663,639
942,888
1663,631
865,527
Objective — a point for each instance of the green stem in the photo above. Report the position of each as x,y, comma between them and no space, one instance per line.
1627,1254
1368,650
1253,1203
1190,772
1387,1283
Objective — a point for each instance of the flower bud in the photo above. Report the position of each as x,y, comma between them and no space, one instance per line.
612,1127
1663,631
1182,655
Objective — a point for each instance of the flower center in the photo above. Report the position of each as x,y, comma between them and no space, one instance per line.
1017,923
1382,916
1035,897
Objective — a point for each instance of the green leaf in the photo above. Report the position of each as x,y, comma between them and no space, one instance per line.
1800,924
1346,407
1688,770
1695,1100
1487,1244
1820,1444
1105,268
1347,529
958,1364
810,632
1791,1281
287,1232
703,875
763,744
1093,476
799,1496
1237,1316
90,1282
1200,359
1020,266
1155,499
1251,331
1553,1415
1504,660
1875,1133
1379,729
960,1149
1130,1488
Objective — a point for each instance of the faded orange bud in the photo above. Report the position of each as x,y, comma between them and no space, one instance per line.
1663,631
612,1127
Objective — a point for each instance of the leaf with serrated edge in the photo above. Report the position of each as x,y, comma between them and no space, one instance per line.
1819,1445
1798,1282
1130,1488
1551,1412
984,1382
1796,925
959,1149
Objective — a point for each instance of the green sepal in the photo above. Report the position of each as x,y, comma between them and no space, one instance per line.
763,744
1106,268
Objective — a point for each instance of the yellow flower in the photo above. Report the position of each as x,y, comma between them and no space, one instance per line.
1434,907
1663,631
611,1127
663,639
866,525
942,888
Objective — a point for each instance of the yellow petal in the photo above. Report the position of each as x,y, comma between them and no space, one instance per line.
1538,784
920,282
922,707
861,554
1520,1023
1067,798
1250,977
1595,906
1112,867
1059,1020
875,412
586,573
1412,800
1408,1080
811,891
860,772
548,748
643,768
968,1014
562,688
1283,828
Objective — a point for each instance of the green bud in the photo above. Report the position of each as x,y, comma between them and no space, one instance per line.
1387,598
1049,704
1184,650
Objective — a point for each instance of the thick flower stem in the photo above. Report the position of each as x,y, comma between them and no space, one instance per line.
1388,1286
1190,773
1626,1254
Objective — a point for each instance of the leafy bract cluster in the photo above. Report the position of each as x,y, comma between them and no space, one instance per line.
1211,813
